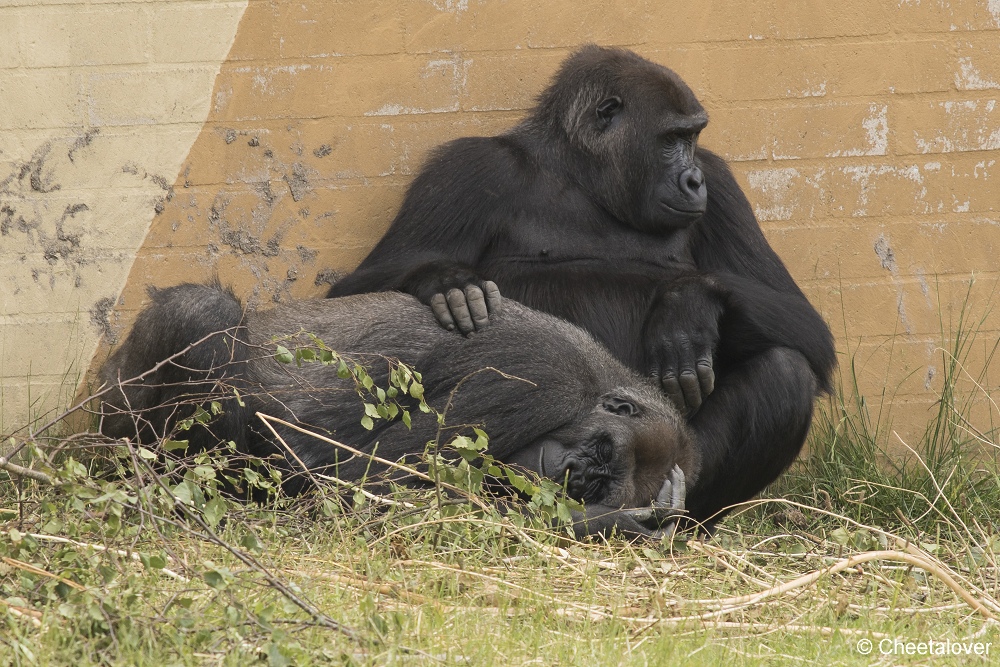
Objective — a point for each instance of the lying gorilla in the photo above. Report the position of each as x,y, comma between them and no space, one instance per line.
570,411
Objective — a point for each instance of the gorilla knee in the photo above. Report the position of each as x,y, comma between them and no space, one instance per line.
788,370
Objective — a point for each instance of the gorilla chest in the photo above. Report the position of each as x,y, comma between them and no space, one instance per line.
575,237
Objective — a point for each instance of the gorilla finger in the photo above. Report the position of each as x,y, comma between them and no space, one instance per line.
493,300
641,515
672,388
460,310
476,301
663,498
691,388
439,306
637,523
678,490
706,375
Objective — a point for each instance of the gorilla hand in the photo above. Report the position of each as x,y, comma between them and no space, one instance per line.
680,337
459,298
467,309
655,522
661,518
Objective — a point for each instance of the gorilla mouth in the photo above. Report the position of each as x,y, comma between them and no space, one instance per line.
682,212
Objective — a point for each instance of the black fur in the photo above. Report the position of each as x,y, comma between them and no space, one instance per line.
590,421
601,208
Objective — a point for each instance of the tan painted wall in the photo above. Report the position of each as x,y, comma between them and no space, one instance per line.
864,132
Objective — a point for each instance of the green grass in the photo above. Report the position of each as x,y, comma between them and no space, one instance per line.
102,566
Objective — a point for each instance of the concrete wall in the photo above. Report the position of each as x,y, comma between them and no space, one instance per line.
865,133
100,103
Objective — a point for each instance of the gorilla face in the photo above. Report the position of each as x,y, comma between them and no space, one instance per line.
639,123
660,129
619,454
676,193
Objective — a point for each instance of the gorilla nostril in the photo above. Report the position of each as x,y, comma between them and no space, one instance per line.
692,183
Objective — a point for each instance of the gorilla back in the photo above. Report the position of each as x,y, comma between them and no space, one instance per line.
565,407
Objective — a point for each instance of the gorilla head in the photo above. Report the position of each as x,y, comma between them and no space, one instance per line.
615,454
637,124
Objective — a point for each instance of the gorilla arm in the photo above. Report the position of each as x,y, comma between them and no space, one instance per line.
455,203
761,306
697,322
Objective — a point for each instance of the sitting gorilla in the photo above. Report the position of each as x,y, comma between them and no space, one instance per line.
602,208
570,411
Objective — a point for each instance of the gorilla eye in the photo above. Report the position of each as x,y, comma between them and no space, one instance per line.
605,450
607,109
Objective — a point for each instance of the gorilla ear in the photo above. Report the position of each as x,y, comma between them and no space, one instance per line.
607,109
617,405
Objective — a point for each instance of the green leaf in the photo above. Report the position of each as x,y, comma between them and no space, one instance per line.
204,472
146,454
464,442
183,493
214,510
795,549
152,561
367,423
283,355
215,579
406,418
252,544
520,482
217,576
174,445
417,390
841,536
276,657
371,410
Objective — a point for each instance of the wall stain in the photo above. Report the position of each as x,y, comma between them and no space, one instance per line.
100,317
82,142
298,181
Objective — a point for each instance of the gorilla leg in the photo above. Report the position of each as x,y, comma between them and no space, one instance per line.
751,428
